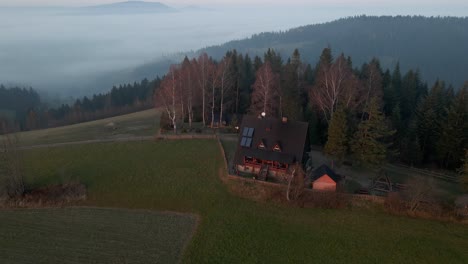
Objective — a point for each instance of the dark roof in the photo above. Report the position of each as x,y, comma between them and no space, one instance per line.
324,169
290,135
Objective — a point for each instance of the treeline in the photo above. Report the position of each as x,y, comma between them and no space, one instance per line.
25,111
120,100
407,39
362,112
16,103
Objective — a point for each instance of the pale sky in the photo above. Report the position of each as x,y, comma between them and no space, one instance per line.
354,3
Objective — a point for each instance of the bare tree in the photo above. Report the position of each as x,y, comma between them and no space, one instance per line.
336,84
167,96
296,183
187,77
418,191
225,83
265,91
11,165
204,67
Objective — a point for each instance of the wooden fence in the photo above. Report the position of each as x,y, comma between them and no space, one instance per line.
426,172
185,136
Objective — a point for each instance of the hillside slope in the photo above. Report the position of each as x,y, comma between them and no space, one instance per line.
435,45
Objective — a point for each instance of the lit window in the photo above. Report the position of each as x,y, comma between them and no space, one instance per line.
277,147
262,145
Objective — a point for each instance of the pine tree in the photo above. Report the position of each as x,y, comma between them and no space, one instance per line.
410,149
396,121
336,146
368,144
291,88
326,58
454,132
430,114
274,59
464,172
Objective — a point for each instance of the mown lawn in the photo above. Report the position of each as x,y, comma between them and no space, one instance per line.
183,176
92,235
144,123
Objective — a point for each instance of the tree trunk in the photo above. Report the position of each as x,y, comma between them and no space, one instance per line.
212,106
203,106
237,98
221,105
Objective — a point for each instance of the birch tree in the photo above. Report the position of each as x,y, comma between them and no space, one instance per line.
335,84
188,93
204,66
225,83
167,96
265,91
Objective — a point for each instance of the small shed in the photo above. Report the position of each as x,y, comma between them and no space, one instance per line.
325,179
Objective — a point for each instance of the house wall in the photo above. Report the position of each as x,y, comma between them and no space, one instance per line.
324,183
248,169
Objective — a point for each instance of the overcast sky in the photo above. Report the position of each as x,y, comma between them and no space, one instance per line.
355,3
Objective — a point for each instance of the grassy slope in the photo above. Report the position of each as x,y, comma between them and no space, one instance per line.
183,176
144,123
92,235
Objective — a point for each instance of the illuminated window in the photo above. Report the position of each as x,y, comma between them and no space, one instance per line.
262,145
277,147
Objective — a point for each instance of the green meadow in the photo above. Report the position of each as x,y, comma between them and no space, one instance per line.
144,123
93,235
183,176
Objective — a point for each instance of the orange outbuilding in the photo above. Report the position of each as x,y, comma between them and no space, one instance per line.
325,179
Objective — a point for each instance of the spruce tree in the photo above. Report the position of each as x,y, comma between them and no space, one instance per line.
291,88
430,114
410,149
454,132
368,145
336,146
464,172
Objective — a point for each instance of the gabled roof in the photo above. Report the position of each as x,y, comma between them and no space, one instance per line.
324,169
290,135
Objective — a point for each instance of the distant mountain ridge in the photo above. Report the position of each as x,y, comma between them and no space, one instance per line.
437,46
131,7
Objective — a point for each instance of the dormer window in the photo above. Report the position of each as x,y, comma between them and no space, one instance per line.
277,147
262,145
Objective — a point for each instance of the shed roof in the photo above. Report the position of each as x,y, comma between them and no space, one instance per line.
324,169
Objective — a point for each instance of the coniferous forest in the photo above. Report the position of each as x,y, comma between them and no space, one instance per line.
361,111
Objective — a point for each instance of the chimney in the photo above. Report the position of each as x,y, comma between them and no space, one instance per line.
284,120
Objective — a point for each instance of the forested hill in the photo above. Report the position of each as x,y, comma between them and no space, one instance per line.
437,46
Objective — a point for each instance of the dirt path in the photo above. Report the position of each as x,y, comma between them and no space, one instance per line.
125,139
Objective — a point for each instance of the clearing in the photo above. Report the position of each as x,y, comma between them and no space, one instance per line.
144,123
183,176
93,235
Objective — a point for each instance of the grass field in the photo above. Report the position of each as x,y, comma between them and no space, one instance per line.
183,176
145,123
92,235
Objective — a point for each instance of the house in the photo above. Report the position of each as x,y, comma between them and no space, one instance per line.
325,179
270,146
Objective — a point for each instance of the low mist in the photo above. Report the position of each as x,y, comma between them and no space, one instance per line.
67,51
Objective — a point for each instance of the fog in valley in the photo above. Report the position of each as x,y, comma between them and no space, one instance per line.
66,52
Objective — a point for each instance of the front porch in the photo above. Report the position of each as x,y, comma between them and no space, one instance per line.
267,170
